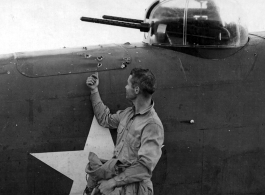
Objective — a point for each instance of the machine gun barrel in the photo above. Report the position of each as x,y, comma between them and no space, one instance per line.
122,19
144,27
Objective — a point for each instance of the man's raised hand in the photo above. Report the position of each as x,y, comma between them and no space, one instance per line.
93,81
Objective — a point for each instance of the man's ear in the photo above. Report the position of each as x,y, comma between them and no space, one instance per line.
137,90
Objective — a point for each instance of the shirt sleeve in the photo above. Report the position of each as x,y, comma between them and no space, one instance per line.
149,154
102,113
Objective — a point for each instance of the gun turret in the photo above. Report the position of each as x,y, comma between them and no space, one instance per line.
118,21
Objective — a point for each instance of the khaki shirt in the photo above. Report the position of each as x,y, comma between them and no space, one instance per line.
139,140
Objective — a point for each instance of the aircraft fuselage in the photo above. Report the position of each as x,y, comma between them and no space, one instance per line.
213,112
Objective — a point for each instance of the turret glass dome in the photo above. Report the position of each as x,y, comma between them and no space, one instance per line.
197,23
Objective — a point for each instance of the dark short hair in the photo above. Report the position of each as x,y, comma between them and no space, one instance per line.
144,79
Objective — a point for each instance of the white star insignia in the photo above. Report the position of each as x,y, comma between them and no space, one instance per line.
72,164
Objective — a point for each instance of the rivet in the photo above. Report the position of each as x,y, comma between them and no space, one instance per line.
123,66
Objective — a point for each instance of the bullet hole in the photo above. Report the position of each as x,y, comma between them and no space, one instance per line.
100,58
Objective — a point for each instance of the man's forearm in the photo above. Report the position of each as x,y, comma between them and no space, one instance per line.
132,174
102,112
94,90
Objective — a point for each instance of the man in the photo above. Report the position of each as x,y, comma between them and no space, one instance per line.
140,133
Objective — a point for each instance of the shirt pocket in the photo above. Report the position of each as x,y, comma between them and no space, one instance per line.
135,142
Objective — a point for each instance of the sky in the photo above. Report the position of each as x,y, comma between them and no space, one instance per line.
32,25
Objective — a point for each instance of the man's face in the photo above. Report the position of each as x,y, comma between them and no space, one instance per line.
130,91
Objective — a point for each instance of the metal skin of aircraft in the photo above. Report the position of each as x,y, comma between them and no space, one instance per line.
210,97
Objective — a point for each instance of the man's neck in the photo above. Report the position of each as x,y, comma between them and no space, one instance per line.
141,103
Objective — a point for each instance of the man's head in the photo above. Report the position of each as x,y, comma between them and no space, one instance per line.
141,81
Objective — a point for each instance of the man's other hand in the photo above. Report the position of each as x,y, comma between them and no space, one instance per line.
107,186
93,81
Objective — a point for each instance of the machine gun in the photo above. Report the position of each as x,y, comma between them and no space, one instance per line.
122,22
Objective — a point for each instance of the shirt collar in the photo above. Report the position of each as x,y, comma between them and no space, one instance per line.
145,110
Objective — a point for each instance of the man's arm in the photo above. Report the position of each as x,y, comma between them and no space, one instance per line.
102,112
149,154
